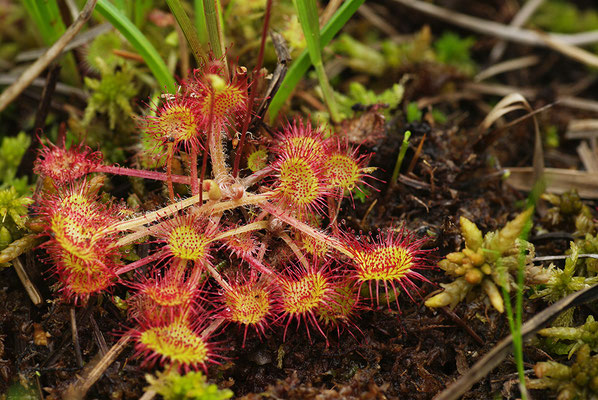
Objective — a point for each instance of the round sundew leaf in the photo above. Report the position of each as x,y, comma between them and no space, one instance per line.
175,341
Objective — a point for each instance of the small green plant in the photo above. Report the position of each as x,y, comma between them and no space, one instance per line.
488,262
401,156
413,114
112,93
569,213
565,17
361,57
13,208
453,50
359,95
578,381
562,282
567,340
191,386
12,150
13,211
100,55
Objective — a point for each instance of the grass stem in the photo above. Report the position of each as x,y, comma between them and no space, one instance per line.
307,10
188,30
303,62
400,157
141,44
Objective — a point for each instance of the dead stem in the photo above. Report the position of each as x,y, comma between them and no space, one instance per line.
293,246
254,226
75,337
30,288
99,336
148,395
303,227
173,208
212,327
95,369
524,13
501,31
216,275
38,66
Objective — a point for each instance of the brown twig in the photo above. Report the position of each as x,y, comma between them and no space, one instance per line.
94,370
75,337
380,23
459,321
526,11
284,59
26,165
30,288
509,65
98,335
505,32
493,358
329,11
38,66
79,40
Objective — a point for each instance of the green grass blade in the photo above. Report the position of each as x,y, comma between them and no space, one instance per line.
187,27
214,28
47,19
400,157
303,62
139,42
200,23
307,11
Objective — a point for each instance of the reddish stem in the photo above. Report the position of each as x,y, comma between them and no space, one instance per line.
253,89
139,263
141,173
303,227
193,168
255,263
169,173
204,165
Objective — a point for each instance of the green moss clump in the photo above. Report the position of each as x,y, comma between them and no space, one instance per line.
567,340
111,95
579,381
191,386
489,262
563,282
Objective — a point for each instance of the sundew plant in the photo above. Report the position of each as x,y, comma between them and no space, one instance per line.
259,248
248,235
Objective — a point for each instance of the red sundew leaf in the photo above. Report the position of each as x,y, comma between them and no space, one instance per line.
177,121
249,302
186,237
177,341
303,293
393,259
85,261
221,102
173,294
302,138
64,165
